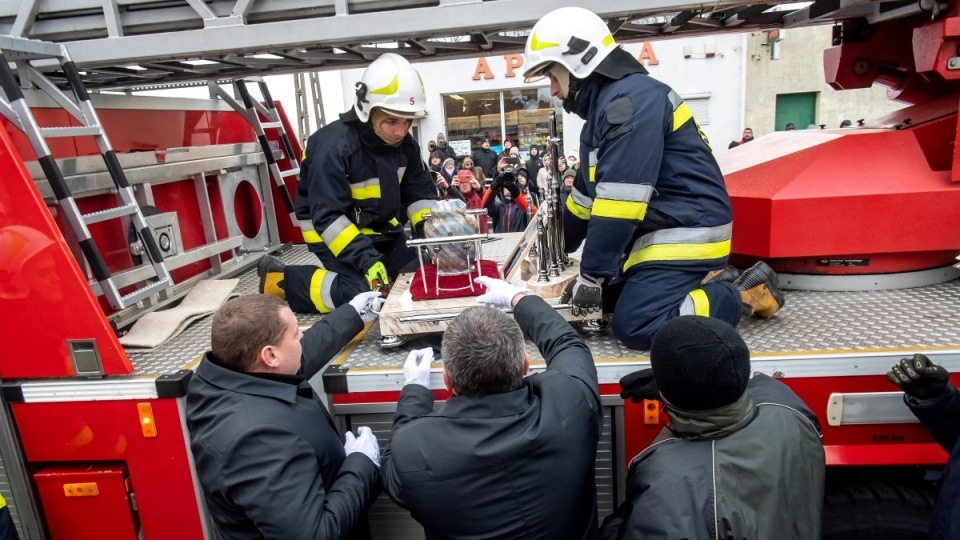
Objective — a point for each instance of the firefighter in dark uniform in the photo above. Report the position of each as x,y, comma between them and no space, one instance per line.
362,178
649,199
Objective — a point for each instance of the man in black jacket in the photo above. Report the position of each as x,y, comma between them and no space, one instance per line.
741,456
936,403
486,159
506,456
268,455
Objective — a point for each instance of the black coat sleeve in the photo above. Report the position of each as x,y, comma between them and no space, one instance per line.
327,337
415,401
941,416
274,475
561,346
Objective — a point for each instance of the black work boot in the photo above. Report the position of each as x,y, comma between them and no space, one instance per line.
759,290
270,270
728,273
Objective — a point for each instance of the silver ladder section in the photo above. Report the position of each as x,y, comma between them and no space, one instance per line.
252,110
303,115
14,107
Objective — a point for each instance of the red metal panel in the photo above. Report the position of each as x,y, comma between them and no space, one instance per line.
101,493
109,431
46,300
884,196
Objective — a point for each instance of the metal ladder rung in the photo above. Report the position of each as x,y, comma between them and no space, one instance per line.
271,125
75,131
143,292
110,213
291,172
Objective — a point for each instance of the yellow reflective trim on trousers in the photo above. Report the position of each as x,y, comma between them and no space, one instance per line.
317,292
681,115
580,211
365,192
678,252
609,208
701,303
343,239
592,173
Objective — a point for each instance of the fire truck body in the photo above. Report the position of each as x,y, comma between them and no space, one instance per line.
863,219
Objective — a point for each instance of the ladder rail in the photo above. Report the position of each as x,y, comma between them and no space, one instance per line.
251,110
84,113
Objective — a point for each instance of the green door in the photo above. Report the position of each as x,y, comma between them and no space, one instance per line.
800,108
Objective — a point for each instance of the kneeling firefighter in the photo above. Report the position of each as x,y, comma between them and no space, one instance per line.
362,178
648,201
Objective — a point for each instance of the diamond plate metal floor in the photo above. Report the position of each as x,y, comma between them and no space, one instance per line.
810,323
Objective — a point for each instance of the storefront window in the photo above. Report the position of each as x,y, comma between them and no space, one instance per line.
525,113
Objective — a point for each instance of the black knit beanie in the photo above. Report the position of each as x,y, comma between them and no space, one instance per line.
699,363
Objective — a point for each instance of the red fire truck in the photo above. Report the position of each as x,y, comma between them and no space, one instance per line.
115,205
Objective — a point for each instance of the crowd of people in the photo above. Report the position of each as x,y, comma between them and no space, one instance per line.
511,454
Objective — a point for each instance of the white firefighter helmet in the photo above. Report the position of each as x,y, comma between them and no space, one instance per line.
392,84
573,37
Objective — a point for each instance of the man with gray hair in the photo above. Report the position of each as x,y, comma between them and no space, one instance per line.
506,456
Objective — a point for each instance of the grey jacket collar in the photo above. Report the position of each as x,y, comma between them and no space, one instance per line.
712,423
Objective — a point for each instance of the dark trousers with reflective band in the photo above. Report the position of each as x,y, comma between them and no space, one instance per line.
649,297
347,281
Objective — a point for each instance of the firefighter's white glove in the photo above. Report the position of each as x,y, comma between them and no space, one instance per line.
499,293
416,370
368,305
366,444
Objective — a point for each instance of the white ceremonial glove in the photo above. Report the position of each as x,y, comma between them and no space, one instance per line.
416,370
499,292
368,305
366,444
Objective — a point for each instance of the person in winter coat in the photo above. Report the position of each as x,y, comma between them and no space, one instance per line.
268,455
936,403
533,166
362,179
505,203
486,158
741,456
448,151
506,456
470,191
448,169
649,205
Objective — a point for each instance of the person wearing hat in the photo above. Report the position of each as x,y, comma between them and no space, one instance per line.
741,456
448,151
533,165
573,159
566,186
362,178
649,205
486,158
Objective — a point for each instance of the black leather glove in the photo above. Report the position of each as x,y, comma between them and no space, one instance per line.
584,294
639,385
919,377
514,190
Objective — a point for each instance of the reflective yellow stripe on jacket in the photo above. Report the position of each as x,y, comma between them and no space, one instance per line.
681,244
622,201
338,235
416,210
579,204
